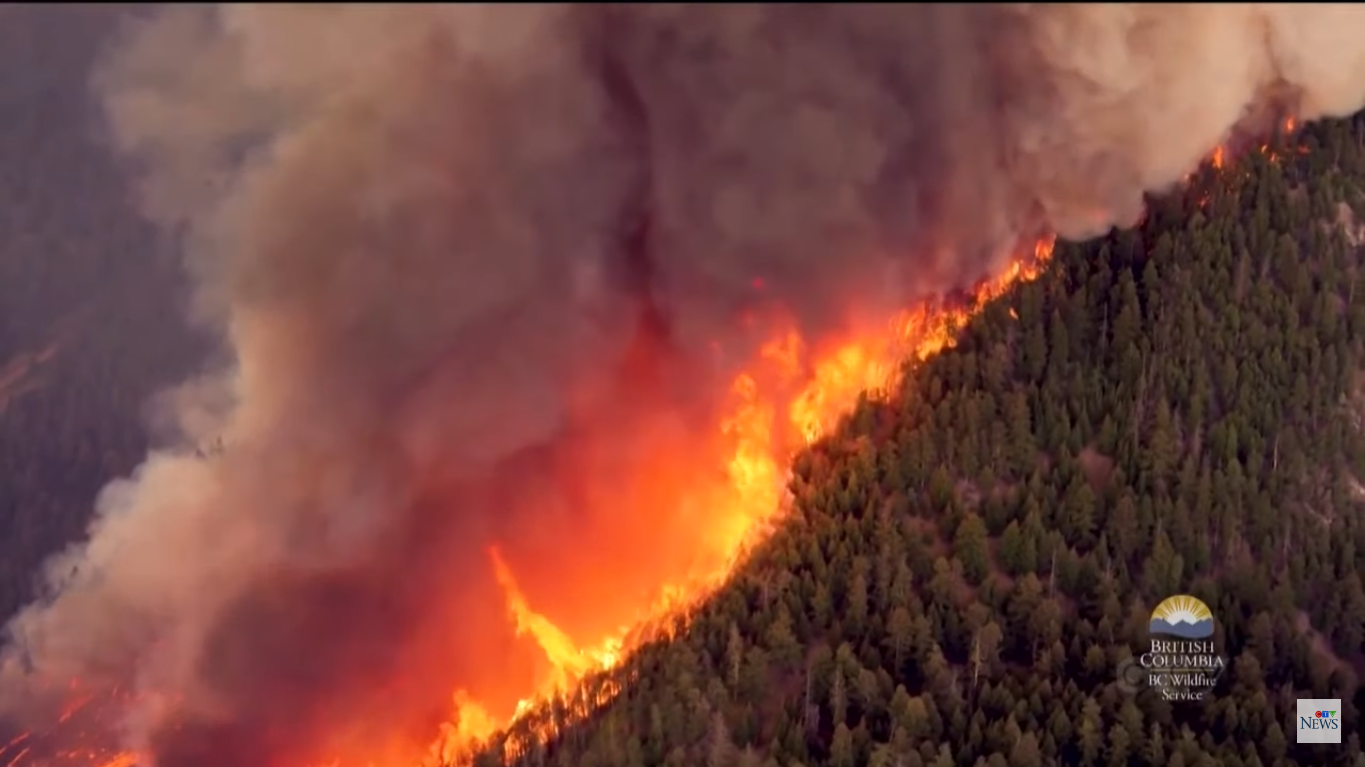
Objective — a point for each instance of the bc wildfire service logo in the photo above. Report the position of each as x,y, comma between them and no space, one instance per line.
1182,662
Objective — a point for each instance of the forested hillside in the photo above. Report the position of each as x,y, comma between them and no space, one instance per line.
89,324
1171,409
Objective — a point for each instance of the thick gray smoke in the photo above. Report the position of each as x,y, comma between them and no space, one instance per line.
443,243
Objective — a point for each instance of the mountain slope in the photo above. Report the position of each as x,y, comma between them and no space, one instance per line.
91,324
1172,409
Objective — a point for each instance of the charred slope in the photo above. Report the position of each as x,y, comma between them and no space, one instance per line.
1173,409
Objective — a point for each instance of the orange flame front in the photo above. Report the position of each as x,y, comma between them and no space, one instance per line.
789,396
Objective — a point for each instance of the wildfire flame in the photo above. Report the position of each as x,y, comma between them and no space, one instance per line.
766,429
789,397
1218,158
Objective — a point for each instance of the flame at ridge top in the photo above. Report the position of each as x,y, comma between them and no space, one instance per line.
1218,156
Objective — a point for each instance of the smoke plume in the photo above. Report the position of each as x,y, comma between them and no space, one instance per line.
471,262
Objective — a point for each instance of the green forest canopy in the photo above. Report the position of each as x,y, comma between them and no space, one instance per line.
1176,409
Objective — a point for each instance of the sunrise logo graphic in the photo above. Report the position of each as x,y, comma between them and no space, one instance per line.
1182,616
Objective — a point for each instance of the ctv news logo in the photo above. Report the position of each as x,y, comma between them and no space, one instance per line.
1319,720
